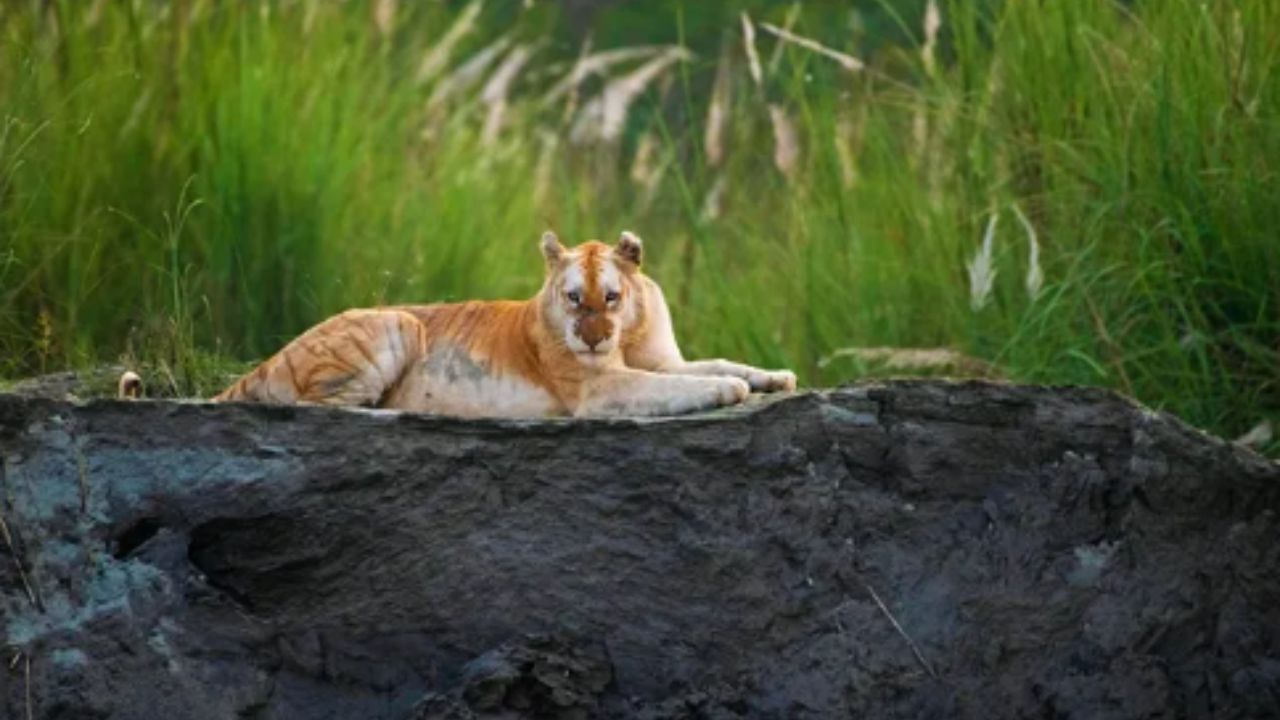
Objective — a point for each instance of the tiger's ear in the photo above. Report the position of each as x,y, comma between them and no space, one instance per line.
630,248
552,250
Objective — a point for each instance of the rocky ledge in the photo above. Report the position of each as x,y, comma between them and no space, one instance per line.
910,549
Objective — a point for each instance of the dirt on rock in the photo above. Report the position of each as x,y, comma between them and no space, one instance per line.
892,550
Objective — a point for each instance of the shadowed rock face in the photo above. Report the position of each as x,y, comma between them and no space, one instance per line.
1048,552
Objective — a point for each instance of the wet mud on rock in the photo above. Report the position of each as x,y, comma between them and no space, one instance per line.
908,549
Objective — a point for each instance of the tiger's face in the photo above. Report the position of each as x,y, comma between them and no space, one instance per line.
588,297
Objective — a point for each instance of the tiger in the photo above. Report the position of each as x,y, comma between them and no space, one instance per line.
596,340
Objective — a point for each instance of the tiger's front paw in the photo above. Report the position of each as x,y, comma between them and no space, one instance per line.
731,390
773,381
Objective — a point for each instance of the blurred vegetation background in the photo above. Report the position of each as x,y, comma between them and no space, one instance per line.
1063,192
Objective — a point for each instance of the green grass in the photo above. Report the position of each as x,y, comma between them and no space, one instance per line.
200,184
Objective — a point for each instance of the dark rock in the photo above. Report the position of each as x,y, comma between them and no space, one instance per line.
1045,552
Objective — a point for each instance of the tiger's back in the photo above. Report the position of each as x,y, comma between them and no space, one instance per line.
466,359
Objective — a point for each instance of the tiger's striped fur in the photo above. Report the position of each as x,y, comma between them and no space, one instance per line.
596,340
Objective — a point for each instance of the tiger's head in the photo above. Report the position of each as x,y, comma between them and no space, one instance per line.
590,296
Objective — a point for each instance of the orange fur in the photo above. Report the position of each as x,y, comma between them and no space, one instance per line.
596,339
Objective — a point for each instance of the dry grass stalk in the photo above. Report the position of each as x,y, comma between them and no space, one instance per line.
605,116
498,89
749,42
982,272
915,649
1115,354
17,560
717,114
846,61
571,105
468,74
775,58
595,64
917,360
435,61
82,467
786,142
1258,436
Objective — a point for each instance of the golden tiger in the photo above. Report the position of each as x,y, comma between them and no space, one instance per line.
596,340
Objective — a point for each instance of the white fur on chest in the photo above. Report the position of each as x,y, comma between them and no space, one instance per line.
449,381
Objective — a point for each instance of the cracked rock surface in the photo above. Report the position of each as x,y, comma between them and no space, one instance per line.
905,549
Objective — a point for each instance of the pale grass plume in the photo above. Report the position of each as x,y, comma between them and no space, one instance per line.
498,89
644,164
574,91
309,15
543,174
648,168
1035,276
923,155
1244,69
197,12
932,24
848,136
1258,436
916,360
920,131
845,60
456,83
717,114
982,271
384,16
713,204
435,61
749,42
467,74
654,184
92,17
786,141
589,64
775,58
604,117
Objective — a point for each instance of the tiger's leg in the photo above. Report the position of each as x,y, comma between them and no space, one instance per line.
627,391
659,352
762,380
355,358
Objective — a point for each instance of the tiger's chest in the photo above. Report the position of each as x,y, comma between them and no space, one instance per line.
449,381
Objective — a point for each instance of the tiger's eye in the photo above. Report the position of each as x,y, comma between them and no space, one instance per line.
611,297
574,297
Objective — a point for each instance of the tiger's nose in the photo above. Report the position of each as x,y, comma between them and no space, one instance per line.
593,330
